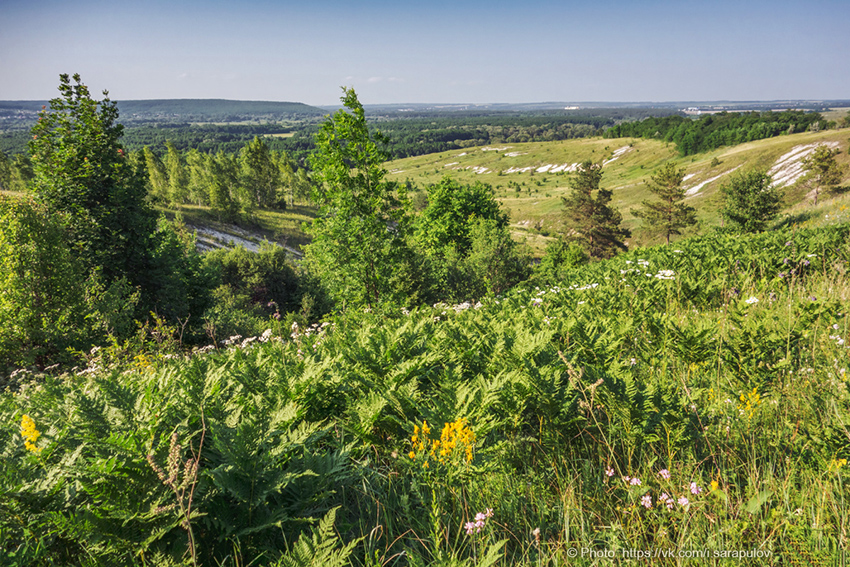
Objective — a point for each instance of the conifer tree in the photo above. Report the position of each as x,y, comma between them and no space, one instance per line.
750,200
824,170
594,224
668,215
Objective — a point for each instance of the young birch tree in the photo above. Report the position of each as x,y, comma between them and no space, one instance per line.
358,236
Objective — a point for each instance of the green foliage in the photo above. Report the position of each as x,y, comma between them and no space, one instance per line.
453,208
718,363
495,259
594,224
42,301
254,286
261,174
750,201
157,176
823,170
178,178
670,215
80,169
559,256
359,235
321,549
5,173
717,130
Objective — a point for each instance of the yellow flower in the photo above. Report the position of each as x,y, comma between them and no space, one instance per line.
715,485
30,434
412,455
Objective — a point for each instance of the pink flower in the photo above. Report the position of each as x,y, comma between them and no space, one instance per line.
665,474
609,472
635,482
695,489
683,501
646,500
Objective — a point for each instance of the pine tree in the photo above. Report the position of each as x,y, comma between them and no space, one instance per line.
595,225
751,201
823,170
668,215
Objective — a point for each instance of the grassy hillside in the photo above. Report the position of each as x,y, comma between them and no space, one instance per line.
629,163
676,399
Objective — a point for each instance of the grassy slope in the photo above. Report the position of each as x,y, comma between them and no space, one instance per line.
540,197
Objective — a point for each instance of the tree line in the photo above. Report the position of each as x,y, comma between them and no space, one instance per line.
717,130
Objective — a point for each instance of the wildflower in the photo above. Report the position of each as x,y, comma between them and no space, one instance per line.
752,300
714,485
479,523
683,501
609,472
30,434
665,474
695,489
635,482
646,501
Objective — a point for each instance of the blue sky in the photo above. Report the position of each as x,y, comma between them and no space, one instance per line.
466,51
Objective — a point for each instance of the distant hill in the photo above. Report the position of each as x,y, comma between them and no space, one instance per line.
185,110
215,109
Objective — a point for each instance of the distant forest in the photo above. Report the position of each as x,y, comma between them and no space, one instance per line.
212,126
225,126
717,130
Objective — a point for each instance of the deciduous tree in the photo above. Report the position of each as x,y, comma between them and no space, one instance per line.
453,209
358,236
81,169
260,173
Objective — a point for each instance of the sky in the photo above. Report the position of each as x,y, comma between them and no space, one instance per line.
461,51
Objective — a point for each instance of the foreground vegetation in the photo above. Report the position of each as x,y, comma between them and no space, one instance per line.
687,398
414,391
